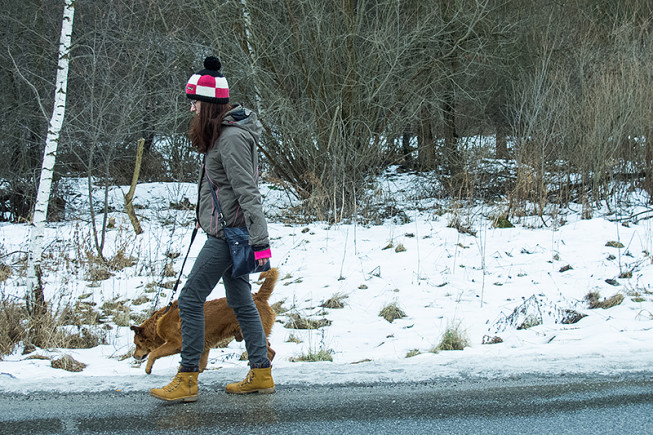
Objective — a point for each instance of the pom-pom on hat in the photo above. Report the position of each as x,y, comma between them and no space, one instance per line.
209,84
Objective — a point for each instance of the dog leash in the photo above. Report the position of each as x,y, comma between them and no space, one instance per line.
192,237
174,289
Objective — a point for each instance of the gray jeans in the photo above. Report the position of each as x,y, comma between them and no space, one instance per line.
213,263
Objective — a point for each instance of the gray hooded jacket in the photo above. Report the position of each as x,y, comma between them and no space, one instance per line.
232,170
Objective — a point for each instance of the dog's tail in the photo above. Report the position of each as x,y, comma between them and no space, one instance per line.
270,277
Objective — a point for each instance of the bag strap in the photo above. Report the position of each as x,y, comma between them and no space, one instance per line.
214,196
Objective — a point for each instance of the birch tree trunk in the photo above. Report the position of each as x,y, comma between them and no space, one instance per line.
35,297
252,56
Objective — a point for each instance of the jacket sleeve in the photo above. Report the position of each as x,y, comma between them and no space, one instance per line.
238,162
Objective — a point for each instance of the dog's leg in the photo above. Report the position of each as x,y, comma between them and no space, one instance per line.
204,358
166,349
271,352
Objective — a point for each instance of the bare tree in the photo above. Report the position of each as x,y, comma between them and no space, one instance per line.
127,86
29,32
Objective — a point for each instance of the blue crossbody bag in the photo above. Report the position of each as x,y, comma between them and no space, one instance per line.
237,238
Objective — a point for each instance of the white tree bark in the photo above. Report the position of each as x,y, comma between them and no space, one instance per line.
252,56
34,285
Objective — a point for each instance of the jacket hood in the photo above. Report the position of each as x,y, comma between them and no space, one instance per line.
244,118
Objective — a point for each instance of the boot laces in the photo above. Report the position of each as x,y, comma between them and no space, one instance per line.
248,379
173,385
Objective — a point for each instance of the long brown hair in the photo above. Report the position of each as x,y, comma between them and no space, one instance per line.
205,127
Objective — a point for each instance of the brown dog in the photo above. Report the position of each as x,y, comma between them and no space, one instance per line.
160,335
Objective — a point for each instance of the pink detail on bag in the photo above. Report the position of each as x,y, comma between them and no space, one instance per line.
262,254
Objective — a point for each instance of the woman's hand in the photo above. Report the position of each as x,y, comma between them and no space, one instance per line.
262,254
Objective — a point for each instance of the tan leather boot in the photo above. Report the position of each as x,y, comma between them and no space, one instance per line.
257,381
183,388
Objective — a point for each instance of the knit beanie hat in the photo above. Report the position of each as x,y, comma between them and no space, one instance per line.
209,84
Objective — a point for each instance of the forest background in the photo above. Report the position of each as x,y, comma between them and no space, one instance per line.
344,89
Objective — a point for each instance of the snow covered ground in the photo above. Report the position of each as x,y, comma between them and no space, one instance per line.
493,283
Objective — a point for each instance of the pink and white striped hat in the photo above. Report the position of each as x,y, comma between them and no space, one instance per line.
209,84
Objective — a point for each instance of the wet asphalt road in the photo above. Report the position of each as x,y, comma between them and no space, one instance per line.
530,404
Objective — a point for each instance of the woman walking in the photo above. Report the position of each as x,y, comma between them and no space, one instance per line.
226,135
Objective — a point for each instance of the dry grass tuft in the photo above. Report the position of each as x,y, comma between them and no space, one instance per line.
13,328
63,329
295,321
335,301
139,317
142,299
487,339
121,261
392,312
292,338
97,272
100,269
169,270
75,338
39,357
68,363
82,313
278,307
452,339
5,272
314,356
413,353
456,223
502,222
593,299
118,310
